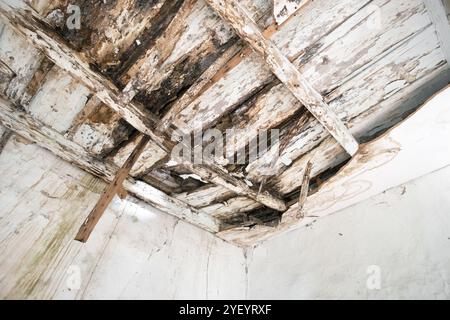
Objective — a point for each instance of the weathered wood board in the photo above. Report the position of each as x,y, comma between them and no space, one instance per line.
402,154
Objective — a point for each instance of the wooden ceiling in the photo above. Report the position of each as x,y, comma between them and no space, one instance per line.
333,73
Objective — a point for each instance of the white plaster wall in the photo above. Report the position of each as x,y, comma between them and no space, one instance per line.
134,252
404,231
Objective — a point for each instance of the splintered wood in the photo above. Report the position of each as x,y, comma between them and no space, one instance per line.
111,191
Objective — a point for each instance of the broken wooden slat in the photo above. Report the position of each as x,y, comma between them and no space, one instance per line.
135,114
28,127
280,65
205,196
283,9
5,134
438,15
110,192
305,189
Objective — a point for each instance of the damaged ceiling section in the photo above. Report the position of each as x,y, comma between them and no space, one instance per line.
88,80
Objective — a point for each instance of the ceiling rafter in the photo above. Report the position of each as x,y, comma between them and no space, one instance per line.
239,18
135,114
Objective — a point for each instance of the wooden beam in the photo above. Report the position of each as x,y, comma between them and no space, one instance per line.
238,17
53,46
110,192
31,129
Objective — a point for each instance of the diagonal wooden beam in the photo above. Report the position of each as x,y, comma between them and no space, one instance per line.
15,119
39,34
238,17
110,192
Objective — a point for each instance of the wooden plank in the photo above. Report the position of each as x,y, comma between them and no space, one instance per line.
224,179
280,65
205,196
408,151
30,26
28,127
230,59
438,14
119,27
110,192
